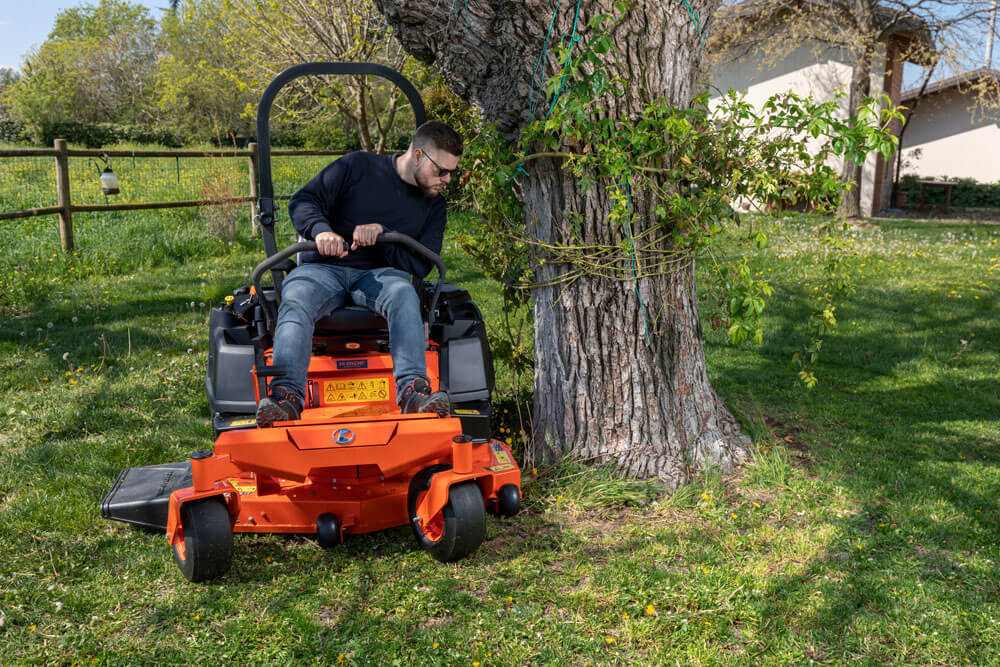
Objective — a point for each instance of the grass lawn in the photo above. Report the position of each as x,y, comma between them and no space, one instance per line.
866,527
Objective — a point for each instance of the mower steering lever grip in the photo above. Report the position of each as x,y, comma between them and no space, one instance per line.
384,237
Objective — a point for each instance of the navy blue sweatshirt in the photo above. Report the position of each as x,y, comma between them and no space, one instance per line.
361,188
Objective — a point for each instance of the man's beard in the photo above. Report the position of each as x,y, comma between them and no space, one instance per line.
425,189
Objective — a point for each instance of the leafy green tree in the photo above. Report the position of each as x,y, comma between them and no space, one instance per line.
271,35
201,91
11,128
97,65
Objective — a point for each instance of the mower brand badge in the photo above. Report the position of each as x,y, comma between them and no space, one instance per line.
343,436
358,363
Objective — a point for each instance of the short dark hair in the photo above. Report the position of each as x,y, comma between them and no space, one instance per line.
440,136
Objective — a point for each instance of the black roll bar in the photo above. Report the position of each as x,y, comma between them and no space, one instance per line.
265,201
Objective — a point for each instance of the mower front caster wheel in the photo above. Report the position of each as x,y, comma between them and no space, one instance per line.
206,547
327,530
508,500
458,529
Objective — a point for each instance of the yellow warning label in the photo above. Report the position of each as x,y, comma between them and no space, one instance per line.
467,412
356,391
505,466
244,486
243,422
501,456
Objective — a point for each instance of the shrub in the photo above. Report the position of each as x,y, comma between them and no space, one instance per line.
967,192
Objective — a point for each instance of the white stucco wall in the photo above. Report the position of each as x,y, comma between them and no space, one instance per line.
953,140
821,71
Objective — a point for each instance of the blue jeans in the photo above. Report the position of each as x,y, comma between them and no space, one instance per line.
314,290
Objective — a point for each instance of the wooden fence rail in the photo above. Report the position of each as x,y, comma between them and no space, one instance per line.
65,208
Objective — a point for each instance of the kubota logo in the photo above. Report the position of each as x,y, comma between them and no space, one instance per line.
343,436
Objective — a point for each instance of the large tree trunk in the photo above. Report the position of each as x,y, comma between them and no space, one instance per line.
611,383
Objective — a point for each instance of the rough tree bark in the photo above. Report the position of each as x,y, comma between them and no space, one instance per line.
603,389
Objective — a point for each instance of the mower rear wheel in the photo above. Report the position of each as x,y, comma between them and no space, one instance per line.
458,529
206,551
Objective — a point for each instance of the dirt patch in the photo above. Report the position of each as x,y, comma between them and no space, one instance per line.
330,616
434,622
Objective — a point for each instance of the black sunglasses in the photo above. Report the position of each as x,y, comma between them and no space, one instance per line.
442,172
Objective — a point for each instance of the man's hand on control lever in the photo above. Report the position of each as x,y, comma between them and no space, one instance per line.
366,234
328,243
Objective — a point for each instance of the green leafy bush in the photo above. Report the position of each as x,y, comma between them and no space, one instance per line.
967,192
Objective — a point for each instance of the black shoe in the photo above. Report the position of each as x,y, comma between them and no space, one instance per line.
280,406
417,397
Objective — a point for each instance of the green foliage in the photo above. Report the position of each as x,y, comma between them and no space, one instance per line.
104,20
197,85
838,251
743,298
685,165
97,66
196,75
967,192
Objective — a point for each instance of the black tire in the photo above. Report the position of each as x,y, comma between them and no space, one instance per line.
208,540
508,500
327,530
459,528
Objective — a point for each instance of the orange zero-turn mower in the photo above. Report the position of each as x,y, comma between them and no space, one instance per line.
352,463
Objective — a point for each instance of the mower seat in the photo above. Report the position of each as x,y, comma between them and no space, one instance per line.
351,319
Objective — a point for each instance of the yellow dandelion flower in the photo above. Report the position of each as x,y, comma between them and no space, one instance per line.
650,611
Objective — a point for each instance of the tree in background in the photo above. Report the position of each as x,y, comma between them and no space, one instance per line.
97,65
862,31
201,89
11,127
271,35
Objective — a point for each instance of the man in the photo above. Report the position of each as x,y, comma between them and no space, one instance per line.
344,209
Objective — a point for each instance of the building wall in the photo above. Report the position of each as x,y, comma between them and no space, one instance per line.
953,140
821,71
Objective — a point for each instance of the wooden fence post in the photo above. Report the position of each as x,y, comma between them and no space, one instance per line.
63,197
254,220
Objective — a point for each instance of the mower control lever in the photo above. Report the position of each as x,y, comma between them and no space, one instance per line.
304,246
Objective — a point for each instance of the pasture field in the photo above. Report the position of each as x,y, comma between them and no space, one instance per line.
865,527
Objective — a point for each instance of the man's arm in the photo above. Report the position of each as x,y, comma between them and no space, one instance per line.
311,208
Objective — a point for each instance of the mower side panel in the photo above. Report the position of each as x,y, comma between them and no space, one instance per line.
228,376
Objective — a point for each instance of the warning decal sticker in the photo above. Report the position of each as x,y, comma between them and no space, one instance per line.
355,391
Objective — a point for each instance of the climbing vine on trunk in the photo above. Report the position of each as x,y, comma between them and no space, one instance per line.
686,166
